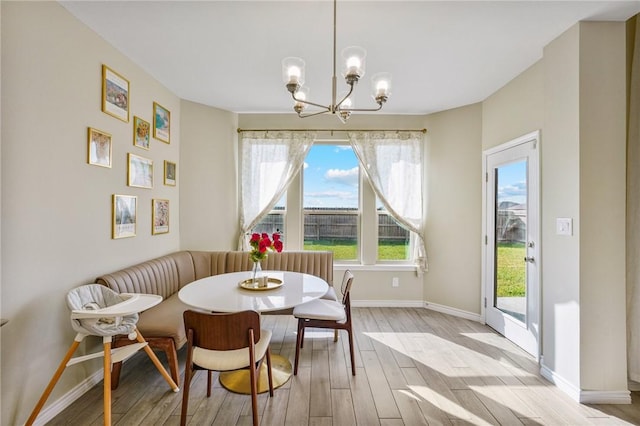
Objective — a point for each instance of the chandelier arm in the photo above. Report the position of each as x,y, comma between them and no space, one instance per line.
310,103
362,109
312,114
337,107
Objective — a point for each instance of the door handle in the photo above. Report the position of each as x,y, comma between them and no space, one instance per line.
529,259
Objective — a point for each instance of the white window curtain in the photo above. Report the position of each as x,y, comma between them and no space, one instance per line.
393,164
268,163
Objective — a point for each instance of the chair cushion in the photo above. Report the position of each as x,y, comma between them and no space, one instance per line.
95,296
330,295
321,309
165,320
230,360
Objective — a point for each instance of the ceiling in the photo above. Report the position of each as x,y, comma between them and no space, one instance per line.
442,54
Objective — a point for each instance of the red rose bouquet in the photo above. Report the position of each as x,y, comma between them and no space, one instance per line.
262,243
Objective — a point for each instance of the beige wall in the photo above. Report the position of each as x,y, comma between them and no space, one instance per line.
514,110
560,198
454,207
576,96
56,209
602,206
208,178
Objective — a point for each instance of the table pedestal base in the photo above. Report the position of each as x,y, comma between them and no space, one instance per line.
238,381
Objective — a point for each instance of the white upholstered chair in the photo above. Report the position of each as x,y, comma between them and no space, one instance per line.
329,313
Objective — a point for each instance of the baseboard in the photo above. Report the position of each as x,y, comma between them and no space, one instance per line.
584,396
633,386
386,303
52,410
453,311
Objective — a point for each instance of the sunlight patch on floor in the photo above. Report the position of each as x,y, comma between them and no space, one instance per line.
427,349
453,410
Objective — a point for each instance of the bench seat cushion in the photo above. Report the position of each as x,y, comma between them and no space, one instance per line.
165,320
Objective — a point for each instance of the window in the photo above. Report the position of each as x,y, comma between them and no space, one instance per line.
394,241
331,187
330,205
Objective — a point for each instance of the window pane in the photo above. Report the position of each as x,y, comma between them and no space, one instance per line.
330,200
274,221
393,238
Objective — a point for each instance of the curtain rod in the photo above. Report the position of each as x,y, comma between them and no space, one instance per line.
332,130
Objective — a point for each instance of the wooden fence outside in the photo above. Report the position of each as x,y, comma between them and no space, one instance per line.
323,225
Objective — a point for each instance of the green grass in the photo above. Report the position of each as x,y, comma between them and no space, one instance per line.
510,265
347,250
510,270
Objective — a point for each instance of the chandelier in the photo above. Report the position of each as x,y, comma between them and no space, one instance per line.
352,71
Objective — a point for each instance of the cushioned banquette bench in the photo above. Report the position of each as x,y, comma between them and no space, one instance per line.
162,326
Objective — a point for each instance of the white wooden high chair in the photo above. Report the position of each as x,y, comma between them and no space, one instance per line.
97,310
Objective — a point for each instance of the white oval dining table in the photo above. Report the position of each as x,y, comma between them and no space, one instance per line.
223,293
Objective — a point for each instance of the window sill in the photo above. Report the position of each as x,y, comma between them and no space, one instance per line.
377,267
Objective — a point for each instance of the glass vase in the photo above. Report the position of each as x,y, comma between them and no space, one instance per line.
257,272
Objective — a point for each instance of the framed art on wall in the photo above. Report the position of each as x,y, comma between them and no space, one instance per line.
125,209
160,216
141,130
139,171
161,123
115,94
169,173
98,147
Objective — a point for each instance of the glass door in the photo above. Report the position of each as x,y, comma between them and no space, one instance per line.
511,290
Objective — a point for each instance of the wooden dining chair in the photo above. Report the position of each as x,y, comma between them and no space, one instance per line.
225,342
332,295
329,314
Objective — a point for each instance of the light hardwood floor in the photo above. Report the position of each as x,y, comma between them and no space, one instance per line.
414,367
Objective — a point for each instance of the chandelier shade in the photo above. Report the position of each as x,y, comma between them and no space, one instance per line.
353,69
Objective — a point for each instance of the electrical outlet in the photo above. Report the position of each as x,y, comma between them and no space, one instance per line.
395,282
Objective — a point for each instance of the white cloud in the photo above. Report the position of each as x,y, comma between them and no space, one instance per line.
345,177
343,195
514,190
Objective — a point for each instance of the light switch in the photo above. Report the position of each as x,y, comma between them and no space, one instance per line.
564,226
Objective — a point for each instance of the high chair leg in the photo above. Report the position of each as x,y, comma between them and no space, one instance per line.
107,380
157,363
52,383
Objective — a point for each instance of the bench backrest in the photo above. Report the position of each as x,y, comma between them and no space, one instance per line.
166,275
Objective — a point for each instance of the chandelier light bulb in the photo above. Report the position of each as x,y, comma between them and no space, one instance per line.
382,87
353,65
300,95
294,74
353,57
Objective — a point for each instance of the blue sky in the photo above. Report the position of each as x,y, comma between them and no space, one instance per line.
512,182
330,177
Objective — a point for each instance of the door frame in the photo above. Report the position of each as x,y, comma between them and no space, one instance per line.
532,136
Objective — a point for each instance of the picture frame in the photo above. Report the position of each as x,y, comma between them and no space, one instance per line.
170,173
161,123
99,147
160,216
124,216
139,171
115,94
141,133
